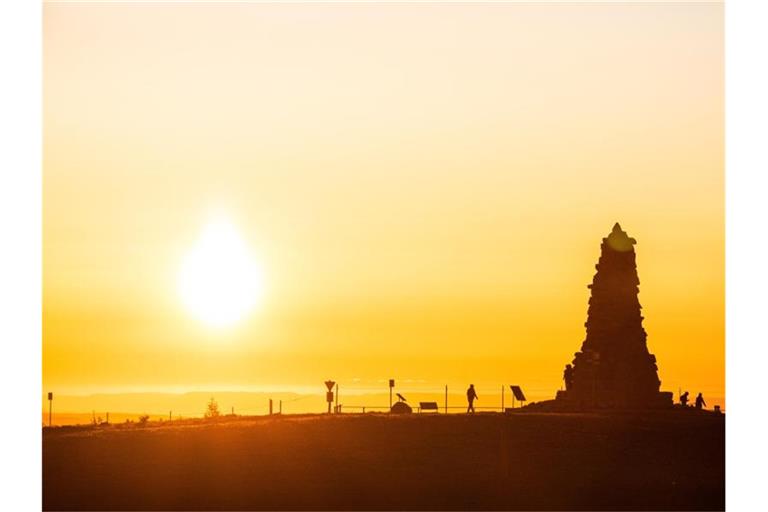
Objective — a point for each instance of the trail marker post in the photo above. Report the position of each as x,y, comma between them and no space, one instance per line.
329,395
502,398
391,385
50,407
446,399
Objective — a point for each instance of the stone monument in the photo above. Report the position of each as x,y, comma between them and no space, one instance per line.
614,368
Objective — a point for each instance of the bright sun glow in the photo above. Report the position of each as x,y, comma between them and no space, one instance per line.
219,280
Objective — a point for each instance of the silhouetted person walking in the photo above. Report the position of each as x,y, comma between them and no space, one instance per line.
568,376
684,399
700,401
471,396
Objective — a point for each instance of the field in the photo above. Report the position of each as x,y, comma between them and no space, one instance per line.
669,460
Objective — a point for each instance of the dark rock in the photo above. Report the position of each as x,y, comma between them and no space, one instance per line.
401,408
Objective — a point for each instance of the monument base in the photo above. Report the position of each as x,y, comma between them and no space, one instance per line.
569,403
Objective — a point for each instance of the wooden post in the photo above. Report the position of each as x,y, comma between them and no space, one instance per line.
337,398
170,415
50,408
270,407
107,418
502,398
446,399
280,407
233,410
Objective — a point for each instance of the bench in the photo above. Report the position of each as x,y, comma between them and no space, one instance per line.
428,406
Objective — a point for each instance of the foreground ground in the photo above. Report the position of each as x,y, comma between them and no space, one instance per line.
673,460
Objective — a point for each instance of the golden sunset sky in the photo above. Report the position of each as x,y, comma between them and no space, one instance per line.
424,188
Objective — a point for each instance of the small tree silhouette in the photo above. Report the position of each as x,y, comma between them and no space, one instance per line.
213,409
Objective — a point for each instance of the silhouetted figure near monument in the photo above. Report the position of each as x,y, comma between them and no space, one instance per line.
471,396
614,368
568,376
684,399
700,403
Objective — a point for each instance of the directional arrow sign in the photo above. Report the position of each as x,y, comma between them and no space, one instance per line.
329,384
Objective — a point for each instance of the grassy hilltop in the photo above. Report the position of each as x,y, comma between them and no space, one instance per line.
665,460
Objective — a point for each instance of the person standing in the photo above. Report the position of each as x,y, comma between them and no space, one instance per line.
700,401
471,396
568,376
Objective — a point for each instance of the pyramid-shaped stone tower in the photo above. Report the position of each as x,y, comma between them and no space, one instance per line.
614,368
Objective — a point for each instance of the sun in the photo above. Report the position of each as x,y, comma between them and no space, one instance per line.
219,280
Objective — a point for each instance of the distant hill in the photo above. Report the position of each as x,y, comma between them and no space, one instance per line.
79,409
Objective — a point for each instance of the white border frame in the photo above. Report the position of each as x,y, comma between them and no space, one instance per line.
21,269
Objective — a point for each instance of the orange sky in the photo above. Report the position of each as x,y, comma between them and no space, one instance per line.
425,187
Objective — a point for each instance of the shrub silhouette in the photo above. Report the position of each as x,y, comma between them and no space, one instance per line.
212,410
143,419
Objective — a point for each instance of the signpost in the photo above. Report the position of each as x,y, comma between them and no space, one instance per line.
329,395
517,393
50,407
